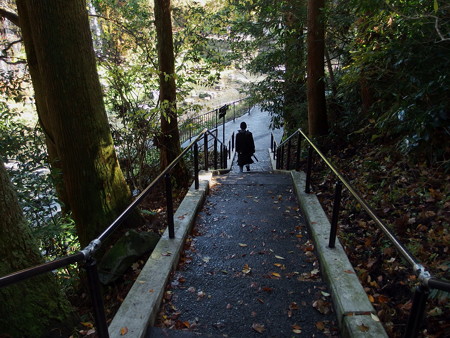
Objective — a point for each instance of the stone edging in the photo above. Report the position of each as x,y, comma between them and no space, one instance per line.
140,307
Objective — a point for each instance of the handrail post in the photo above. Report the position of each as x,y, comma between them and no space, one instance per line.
197,183
169,202
217,117
215,153
416,316
96,298
224,154
288,160
232,141
271,141
335,217
308,171
205,145
282,157
299,150
278,158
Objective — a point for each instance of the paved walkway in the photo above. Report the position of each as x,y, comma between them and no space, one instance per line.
250,268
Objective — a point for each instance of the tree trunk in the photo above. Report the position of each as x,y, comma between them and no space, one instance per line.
317,113
169,140
295,82
33,307
70,106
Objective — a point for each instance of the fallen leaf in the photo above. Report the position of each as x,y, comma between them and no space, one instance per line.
258,327
322,306
296,329
375,317
87,324
123,331
363,328
293,306
279,257
320,326
246,269
242,245
276,274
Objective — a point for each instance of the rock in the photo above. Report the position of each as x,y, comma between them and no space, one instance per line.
124,253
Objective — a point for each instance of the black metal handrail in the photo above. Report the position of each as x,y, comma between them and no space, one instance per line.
86,255
426,280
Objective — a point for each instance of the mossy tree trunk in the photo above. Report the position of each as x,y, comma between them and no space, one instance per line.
69,99
317,111
33,307
169,140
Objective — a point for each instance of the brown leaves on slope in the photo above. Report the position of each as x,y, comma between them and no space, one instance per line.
414,201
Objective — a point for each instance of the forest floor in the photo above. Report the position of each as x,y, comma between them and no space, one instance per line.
413,200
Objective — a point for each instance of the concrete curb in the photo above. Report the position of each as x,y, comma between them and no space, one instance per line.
355,313
139,309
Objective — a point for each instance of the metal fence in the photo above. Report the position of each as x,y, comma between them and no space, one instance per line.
192,125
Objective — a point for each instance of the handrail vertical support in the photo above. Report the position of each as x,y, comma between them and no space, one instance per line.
205,144
215,153
416,316
288,160
197,183
299,149
271,142
335,217
278,166
308,171
96,298
169,201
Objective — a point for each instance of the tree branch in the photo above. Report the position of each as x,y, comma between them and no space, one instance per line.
13,17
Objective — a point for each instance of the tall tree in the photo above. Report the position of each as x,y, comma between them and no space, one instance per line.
169,139
317,112
32,307
295,54
69,100
268,35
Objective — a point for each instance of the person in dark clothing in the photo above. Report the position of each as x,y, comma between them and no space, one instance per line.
245,147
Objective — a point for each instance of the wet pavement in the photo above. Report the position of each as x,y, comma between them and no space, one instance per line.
249,267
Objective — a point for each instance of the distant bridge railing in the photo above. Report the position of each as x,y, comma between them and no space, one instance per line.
86,255
285,160
192,125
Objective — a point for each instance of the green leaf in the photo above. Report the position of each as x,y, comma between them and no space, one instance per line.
436,6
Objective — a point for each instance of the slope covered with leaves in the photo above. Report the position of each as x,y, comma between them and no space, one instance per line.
413,199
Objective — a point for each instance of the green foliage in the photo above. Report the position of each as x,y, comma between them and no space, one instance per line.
397,53
126,47
22,148
268,39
